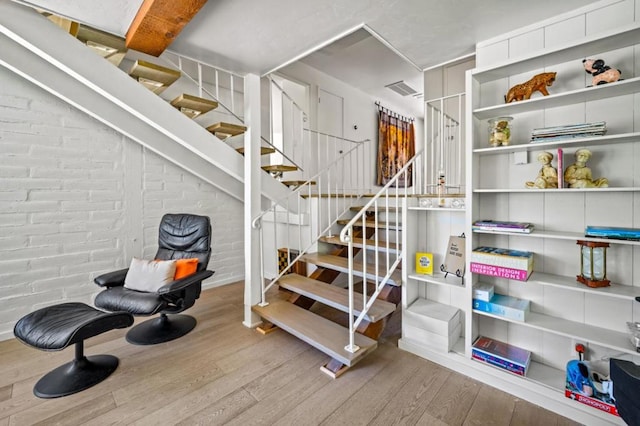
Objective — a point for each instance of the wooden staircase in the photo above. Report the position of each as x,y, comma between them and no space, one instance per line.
157,78
298,315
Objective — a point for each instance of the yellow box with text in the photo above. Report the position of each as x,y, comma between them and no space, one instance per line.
424,263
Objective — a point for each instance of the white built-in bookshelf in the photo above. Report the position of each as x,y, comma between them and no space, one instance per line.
563,311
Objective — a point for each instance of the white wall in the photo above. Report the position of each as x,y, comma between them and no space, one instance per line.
78,199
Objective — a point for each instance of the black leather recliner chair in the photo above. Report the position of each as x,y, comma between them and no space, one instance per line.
181,236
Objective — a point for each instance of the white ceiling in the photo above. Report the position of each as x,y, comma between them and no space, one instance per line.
261,36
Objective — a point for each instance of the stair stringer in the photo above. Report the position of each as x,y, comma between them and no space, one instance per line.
63,66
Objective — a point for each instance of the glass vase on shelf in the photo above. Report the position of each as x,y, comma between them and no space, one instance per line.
500,131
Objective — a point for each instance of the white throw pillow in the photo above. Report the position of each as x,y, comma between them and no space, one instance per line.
149,275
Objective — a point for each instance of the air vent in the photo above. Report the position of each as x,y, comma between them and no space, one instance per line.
401,88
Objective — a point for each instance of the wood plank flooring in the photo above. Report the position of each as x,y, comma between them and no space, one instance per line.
224,373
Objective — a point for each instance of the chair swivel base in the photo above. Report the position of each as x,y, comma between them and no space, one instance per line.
75,376
162,329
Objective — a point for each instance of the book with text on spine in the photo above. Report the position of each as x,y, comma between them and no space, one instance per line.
508,357
500,271
504,306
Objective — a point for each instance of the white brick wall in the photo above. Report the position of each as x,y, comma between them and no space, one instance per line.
71,204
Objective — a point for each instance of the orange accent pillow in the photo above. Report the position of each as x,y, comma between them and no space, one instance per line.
185,267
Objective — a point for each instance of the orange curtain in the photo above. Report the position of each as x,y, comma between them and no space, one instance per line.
396,146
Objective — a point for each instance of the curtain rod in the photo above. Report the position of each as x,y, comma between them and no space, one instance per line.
394,114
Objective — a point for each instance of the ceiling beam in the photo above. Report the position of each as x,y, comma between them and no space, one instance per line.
158,22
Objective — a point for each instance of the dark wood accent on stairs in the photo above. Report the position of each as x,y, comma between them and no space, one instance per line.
158,23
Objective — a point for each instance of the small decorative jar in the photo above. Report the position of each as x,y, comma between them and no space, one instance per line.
500,131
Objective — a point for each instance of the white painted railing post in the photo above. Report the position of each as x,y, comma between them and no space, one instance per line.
252,207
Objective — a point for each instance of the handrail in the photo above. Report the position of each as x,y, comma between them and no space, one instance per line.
323,217
275,83
199,81
298,190
410,169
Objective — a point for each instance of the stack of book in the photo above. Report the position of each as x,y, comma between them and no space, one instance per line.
508,357
569,131
502,226
502,263
613,233
504,306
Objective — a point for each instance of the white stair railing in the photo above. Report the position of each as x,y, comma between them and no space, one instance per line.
383,255
212,83
320,201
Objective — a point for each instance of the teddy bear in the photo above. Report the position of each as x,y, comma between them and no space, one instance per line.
601,73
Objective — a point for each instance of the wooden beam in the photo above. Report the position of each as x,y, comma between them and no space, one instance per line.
158,23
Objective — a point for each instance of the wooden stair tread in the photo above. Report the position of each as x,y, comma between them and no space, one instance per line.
370,223
358,242
153,76
193,106
297,182
341,264
279,168
264,150
227,128
333,296
319,332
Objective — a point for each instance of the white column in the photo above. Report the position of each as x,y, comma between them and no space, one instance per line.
252,287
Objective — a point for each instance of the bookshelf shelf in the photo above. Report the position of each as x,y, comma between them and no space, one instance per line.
567,143
623,36
438,278
572,190
615,340
560,235
437,209
620,291
571,97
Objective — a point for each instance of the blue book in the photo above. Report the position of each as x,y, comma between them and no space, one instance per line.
612,232
504,306
503,355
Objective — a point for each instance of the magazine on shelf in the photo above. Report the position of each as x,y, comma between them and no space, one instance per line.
508,357
612,232
570,131
501,229
502,224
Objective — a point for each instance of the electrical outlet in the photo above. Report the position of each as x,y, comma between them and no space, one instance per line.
520,157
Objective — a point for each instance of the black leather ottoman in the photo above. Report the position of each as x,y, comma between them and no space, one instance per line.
54,328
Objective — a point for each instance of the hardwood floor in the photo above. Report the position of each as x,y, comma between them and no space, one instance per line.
224,373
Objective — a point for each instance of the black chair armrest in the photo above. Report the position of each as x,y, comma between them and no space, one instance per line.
112,279
185,282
